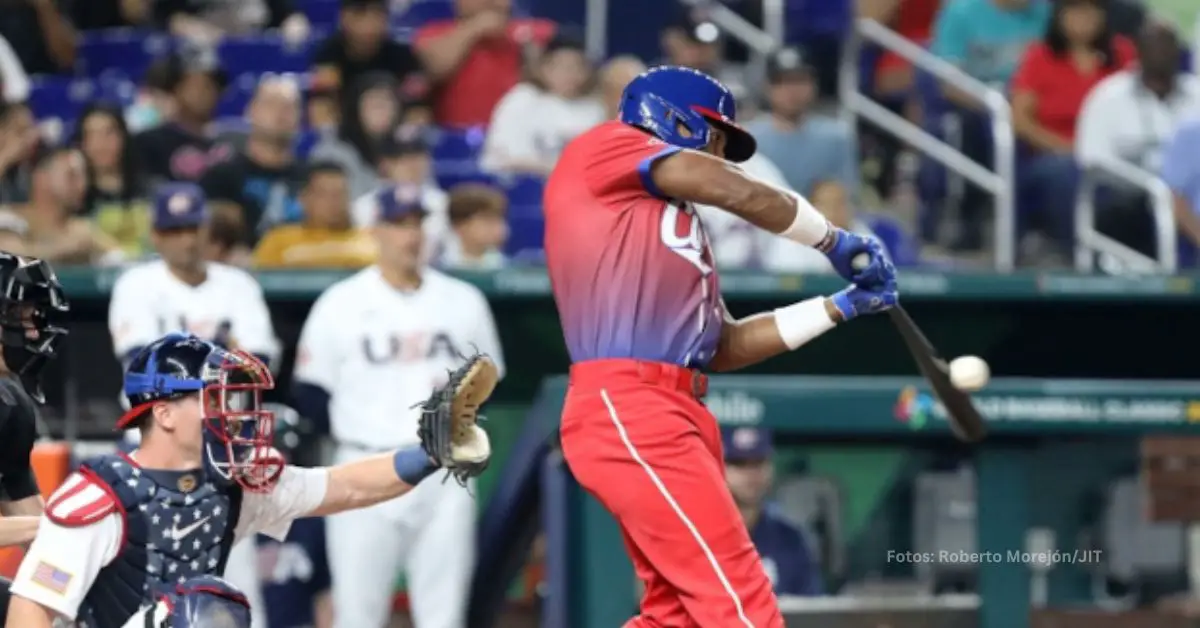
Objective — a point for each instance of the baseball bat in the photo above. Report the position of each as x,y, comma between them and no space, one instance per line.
966,422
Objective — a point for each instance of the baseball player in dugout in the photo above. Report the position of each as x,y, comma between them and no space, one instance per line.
31,300
133,540
374,343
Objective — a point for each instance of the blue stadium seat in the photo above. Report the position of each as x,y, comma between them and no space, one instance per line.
322,14
526,225
900,244
62,97
453,144
422,12
236,96
265,53
130,51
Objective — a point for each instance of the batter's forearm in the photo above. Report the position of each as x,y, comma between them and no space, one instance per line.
751,340
701,178
18,530
373,480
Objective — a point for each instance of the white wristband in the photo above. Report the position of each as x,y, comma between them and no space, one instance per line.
810,227
801,322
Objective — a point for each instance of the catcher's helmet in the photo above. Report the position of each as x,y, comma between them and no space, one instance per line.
31,304
676,105
238,429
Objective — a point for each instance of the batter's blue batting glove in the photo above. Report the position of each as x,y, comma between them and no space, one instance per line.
843,246
854,301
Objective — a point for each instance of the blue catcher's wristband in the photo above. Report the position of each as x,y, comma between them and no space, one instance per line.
412,465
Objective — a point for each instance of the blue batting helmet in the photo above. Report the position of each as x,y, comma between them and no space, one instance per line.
677,105
238,430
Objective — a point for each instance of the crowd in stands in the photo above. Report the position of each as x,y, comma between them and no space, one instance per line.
293,115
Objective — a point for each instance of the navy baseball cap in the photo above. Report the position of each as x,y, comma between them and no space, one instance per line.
744,444
397,202
179,206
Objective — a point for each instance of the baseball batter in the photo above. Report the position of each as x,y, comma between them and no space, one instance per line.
633,278
372,346
126,529
182,291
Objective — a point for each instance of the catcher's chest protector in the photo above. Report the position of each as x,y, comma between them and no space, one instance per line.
177,526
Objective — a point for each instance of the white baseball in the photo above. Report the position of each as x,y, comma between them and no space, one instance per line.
969,373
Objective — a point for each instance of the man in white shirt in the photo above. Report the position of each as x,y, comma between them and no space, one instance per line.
372,346
183,292
1130,115
125,529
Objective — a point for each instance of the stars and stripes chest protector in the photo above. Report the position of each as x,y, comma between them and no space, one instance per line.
177,526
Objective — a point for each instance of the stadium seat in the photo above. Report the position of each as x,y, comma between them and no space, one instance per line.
421,12
128,50
263,53
322,14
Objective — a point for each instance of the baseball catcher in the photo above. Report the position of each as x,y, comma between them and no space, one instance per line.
127,529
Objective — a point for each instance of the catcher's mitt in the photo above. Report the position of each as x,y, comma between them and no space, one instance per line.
448,429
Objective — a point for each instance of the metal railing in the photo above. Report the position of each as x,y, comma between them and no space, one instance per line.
1089,241
1000,184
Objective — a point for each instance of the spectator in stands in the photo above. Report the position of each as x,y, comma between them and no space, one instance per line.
116,197
832,199
536,118
1131,115
48,226
154,103
264,179
614,76
95,15
693,41
806,147
181,148
477,57
14,81
362,46
986,39
1055,75
223,236
326,238
19,138
207,21
478,218
1159,96
785,552
404,160
43,38
322,109
370,113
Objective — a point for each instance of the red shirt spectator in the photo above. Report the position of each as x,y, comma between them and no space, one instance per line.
477,58
914,20
1061,85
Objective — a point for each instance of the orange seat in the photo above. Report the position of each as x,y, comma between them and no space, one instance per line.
51,462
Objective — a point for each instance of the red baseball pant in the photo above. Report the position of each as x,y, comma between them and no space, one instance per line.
635,436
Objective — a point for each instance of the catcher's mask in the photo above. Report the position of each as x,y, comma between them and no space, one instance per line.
31,306
238,430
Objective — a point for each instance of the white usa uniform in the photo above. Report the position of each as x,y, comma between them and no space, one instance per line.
81,552
148,302
378,351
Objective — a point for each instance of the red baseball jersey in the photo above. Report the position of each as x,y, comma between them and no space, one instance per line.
632,271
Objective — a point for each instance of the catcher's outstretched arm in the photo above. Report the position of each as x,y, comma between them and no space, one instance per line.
373,480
